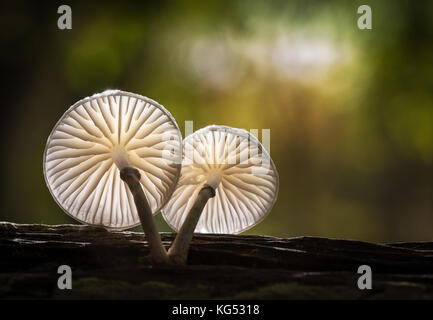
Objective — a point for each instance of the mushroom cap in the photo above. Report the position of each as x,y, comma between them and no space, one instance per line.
245,177
97,136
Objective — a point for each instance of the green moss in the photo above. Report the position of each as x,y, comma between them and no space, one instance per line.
94,288
25,285
36,286
293,290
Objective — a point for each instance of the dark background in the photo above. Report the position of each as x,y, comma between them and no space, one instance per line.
350,111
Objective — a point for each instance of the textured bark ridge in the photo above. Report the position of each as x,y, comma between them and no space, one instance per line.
113,265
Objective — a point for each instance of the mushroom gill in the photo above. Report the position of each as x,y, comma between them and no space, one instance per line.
97,137
228,184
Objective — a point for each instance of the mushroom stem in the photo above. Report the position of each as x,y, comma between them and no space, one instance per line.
178,252
158,254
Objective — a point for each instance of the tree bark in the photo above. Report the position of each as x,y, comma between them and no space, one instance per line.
113,265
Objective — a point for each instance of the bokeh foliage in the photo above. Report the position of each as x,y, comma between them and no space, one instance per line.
350,111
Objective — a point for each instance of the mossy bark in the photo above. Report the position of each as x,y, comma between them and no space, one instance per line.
112,265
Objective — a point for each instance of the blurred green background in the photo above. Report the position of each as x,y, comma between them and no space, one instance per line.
350,111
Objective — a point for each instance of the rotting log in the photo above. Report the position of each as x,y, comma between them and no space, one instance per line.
113,265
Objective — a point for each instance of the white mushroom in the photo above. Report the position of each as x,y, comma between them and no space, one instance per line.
104,139
228,184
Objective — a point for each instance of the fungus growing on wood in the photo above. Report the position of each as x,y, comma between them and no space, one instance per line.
228,184
113,160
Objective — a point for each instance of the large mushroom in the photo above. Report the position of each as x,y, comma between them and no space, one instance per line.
228,184
101,145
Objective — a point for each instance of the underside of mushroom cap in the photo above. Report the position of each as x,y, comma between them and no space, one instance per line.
240,170
95,138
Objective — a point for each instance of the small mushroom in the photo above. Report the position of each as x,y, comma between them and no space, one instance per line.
228,184
104,143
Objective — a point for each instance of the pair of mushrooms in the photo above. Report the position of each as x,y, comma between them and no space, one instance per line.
117,158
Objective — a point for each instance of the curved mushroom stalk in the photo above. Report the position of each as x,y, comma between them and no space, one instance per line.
158,254
228,184
113,160
179,250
